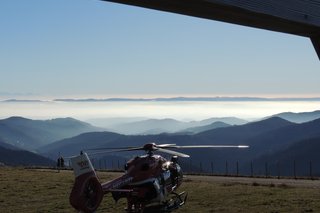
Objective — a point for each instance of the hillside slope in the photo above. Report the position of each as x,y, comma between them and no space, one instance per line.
30,134
265,138
13,157
300,117
301,159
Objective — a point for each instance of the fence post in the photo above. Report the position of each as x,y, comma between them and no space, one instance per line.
105,164
310,167
112,165
251,167
200,167
294,169
227,168
211,167
278,168
237,168
266,167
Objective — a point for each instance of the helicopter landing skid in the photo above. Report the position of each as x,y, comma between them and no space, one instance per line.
174,203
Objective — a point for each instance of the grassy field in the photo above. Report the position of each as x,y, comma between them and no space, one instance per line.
34,190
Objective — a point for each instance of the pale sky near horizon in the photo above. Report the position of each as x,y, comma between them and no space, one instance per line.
90,48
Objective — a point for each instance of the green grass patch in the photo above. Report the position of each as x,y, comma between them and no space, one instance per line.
35,190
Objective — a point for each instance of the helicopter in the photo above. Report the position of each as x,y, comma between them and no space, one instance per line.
149,183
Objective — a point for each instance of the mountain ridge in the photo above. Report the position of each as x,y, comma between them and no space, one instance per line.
17,157
222,98
29,134
300,117
167,125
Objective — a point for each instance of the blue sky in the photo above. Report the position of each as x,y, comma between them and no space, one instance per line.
89,48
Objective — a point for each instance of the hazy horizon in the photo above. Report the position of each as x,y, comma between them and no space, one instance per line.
32,97
179,110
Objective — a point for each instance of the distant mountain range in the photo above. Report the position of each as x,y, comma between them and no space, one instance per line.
222,98
8,146
299,117
22,100
72,146
30,134
157,126
270,136
274,140
168,99
296,158
11,156
191,99
198,129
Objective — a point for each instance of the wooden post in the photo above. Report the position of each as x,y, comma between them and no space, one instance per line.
227,169
237,168
211,167
294,169
251,167
316,44
59,162
266,167
310,168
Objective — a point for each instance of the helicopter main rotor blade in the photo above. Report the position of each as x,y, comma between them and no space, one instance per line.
112,148
166,145
173,153
150,147
130,148
208,146
112,151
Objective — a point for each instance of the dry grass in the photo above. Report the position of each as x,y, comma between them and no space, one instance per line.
31,190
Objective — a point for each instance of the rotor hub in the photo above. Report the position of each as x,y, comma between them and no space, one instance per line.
149,147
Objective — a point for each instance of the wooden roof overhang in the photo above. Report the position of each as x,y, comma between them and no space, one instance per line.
297,17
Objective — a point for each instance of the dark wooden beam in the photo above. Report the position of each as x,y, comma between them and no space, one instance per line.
297,17
316,44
